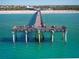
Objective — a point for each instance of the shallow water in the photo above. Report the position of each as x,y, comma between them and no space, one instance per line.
34,50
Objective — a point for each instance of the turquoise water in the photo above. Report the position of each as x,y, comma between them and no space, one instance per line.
32,50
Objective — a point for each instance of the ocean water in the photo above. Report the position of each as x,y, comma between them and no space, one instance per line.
46,49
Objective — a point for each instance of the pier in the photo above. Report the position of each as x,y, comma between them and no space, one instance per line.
39,27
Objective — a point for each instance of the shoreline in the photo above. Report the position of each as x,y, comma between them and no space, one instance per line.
32,12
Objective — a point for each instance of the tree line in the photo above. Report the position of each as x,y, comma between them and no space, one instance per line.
43,7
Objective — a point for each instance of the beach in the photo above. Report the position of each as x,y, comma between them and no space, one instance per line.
32,11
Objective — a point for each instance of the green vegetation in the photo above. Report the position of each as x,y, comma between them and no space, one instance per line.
59,7
14,7
42,7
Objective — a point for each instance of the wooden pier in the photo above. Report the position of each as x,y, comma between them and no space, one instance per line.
39,26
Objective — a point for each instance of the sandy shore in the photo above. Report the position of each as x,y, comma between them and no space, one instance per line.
32,12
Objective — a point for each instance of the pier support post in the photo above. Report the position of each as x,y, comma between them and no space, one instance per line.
13,34
65,36
39,37
26,36
52,35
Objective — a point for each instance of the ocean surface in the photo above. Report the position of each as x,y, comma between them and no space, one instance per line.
46,49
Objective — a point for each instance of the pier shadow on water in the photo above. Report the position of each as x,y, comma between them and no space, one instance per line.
6,39
20,36
31,35
33,19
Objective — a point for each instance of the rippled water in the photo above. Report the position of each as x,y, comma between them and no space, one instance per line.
34,50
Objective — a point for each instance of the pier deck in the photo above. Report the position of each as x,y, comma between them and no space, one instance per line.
39,26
